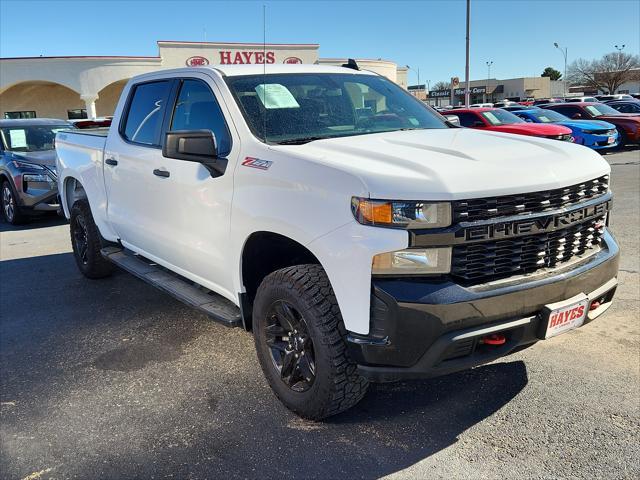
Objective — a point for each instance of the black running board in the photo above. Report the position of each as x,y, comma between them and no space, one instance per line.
215,306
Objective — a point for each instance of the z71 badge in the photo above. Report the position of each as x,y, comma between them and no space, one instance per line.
257,163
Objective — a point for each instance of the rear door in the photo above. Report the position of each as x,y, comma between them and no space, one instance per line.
131,155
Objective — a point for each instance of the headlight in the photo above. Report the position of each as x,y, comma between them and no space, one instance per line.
401,214
29,177
413,261
21,164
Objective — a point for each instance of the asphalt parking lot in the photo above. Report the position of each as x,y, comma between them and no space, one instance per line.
114,379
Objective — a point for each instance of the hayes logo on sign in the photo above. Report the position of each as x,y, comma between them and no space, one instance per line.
292,60
197,61
257,163
234,58
562,318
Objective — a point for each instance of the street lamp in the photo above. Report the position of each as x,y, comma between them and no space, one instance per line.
564,52
619,52
489,63
417,70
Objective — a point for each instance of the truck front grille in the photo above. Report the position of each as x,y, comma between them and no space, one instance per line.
526,203
487,261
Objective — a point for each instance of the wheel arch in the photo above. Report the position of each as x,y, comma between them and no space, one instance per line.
263,253
72,191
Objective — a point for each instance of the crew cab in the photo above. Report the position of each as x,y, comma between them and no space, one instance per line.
498,120
359,235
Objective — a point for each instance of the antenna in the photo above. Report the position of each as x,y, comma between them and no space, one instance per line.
264,71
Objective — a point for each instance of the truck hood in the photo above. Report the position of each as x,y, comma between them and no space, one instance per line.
454,163
45,157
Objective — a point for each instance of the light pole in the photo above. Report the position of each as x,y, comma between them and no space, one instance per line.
564,83
619,54
417,70
486,88
466,67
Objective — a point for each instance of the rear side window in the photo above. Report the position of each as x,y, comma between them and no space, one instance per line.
467,119
197,109
144,116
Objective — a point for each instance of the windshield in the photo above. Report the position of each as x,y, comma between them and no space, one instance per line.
297,108
548,116
598,110
501,117
30,138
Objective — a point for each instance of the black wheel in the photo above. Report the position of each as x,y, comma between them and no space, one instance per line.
9,204
301,343
87,242
622,138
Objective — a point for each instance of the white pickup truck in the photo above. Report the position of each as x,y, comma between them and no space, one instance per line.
359,235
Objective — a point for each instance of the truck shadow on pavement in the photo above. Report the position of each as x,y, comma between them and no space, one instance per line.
184,397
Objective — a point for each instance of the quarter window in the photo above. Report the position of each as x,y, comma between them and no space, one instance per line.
144,118
197,109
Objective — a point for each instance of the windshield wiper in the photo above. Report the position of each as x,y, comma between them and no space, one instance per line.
299,141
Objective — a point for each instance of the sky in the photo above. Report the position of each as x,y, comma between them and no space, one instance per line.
516,35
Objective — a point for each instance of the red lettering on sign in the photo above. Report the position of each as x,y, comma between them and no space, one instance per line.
225,57
271,57
247,56
259,57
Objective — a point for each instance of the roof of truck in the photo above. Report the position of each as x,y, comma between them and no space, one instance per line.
258,69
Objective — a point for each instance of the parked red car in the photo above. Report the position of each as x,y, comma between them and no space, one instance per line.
628,124
498,120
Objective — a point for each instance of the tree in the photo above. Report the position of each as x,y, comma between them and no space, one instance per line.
606,74
441,86
552,73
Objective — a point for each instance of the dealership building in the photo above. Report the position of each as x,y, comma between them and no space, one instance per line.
493,90
81,87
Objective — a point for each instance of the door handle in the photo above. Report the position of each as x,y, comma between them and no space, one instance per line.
111,161
161,173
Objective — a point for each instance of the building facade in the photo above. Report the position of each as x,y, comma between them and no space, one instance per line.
89,87
493,90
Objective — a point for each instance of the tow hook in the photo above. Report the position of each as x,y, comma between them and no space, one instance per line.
493,339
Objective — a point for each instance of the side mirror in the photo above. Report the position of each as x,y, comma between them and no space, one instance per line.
575,116
453,120
478,124
195,146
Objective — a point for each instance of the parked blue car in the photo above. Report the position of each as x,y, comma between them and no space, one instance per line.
594,134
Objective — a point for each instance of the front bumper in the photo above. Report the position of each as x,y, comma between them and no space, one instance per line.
600,142
424,328
36,196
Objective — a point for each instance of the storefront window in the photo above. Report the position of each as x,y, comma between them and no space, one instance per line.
25,114
77,114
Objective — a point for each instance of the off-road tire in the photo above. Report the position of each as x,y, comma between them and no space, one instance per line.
337,386
91,263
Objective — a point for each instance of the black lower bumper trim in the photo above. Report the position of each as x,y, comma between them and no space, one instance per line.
423,328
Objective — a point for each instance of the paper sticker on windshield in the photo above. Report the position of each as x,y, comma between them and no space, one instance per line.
274,95
257,163
492,118
18,138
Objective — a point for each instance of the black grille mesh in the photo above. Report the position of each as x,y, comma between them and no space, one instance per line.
482,262
505,205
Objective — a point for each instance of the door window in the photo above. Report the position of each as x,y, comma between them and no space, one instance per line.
144,117
197,109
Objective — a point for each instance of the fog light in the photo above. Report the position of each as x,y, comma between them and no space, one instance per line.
413,261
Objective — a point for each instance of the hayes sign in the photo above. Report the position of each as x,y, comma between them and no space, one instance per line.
228,57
